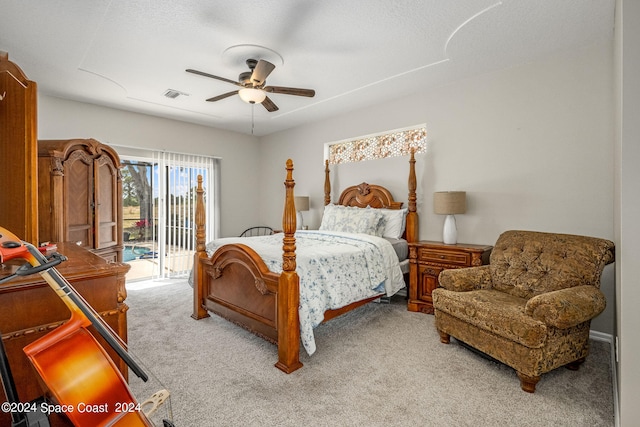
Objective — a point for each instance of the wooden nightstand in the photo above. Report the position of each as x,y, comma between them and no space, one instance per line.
426,261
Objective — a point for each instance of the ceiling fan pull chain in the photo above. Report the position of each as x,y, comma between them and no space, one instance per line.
253,106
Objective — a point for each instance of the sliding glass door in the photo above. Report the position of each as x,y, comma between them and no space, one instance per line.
159,208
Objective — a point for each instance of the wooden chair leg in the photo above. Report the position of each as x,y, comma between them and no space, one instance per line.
528,383
575,365
444,337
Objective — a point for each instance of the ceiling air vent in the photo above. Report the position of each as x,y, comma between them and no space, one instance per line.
173,94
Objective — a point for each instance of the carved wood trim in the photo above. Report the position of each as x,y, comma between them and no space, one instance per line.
46,328
327,184
261,286
476,259
364,195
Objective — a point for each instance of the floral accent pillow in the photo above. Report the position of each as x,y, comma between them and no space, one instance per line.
352,220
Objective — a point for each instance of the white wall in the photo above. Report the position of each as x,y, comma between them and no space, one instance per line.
64,119
531,145
628,207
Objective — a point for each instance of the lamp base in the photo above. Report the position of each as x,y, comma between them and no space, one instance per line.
450,232
299,221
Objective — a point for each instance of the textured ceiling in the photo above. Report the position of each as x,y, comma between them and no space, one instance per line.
127,53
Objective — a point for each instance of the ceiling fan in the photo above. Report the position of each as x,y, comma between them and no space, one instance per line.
252,83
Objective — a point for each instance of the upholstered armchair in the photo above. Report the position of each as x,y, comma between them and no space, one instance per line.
531,306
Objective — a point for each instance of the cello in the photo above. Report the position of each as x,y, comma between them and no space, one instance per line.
83,380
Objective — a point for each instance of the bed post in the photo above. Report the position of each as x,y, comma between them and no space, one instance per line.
412,215
288,286
199,311
327,184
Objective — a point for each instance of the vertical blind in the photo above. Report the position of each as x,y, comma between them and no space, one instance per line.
173,179
174,184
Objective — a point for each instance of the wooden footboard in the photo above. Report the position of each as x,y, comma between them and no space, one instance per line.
238,287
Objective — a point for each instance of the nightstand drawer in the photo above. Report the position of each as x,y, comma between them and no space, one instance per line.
432,255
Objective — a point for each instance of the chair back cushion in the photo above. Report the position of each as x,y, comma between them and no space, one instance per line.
530,263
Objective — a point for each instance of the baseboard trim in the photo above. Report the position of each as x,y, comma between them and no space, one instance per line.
601,336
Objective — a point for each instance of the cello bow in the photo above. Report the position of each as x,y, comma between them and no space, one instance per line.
82,378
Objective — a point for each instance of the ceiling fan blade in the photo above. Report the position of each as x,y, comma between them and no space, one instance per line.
223,96
261,72
202,73
269,105
290,91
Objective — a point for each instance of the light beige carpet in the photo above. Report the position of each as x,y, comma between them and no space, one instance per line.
377,366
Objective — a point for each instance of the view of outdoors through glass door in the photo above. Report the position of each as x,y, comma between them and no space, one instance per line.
158,211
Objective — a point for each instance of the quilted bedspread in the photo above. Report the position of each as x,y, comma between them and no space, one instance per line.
335,269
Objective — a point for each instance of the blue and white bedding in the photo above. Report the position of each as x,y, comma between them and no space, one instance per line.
335,269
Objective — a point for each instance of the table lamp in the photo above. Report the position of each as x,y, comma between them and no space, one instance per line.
449,203
302,204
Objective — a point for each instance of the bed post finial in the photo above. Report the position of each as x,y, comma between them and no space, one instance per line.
327,183
412,216
288,323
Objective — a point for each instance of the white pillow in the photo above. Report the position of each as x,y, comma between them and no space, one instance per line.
352,220
395,221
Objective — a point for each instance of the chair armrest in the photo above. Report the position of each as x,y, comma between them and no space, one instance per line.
567,307
465,279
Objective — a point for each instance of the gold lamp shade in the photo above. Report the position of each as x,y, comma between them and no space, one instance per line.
302,203
449,202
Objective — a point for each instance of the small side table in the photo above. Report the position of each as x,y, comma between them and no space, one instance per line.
427,259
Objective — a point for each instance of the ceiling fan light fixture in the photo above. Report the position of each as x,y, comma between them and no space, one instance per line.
252,96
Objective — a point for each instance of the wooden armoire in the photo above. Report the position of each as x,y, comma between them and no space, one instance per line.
18,134
80,195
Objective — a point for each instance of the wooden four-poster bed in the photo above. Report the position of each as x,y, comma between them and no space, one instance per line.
236,284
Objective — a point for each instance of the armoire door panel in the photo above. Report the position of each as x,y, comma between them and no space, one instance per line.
106,212
78,172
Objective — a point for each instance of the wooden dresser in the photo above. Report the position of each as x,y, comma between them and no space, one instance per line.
426,261
29,309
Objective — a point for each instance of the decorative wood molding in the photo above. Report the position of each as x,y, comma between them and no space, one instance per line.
368,195
57,167
43,329
476,259
215,272
261,286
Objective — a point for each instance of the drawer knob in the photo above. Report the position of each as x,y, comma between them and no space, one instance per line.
441,256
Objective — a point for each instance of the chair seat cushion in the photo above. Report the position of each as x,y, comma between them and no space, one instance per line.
493,311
